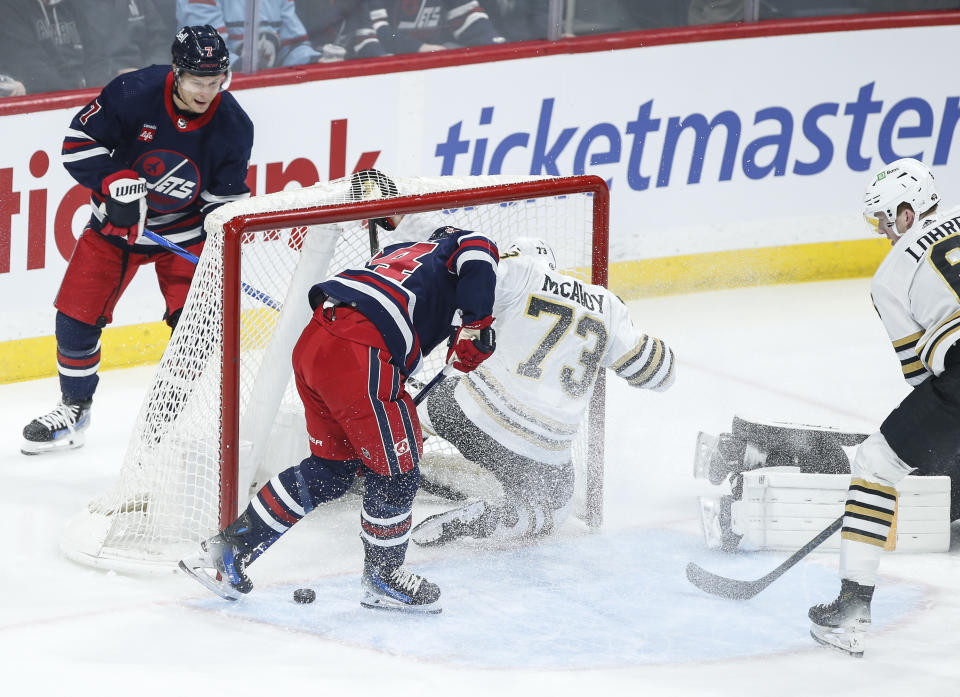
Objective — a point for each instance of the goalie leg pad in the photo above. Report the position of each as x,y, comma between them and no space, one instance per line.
811,448
803,435
781,509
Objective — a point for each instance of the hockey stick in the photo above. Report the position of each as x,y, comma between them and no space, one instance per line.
434,381
193,259
744,590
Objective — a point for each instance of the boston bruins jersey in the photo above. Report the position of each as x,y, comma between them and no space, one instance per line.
916,292
554,334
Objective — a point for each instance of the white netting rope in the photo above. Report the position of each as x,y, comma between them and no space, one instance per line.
167,497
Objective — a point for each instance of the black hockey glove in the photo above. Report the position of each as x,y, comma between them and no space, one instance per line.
125,204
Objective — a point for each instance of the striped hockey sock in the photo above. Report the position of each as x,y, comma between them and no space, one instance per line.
284,500
868,527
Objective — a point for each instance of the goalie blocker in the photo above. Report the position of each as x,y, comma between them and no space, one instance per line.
787,482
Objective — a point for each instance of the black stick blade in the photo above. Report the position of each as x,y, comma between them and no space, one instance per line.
721,585
744,590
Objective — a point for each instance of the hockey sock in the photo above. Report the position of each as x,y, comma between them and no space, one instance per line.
385,518
78,358
290,495
867,525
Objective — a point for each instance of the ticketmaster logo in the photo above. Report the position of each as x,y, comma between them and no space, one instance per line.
647,144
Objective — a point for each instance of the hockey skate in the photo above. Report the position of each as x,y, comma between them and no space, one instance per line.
442,528
843,624
59,429
223,554
400,590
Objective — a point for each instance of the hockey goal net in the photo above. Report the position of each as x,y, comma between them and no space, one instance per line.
222,414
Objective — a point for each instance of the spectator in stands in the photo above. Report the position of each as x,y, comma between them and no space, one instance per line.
715,11
127,36
10,87
282,39
431,25
40,46
340,28
521,20
719,11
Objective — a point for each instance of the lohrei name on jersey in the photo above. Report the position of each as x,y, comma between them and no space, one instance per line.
924,267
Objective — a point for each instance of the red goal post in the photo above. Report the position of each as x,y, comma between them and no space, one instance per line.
222,414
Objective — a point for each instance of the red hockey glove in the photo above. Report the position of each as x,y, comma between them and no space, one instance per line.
125,205
471,344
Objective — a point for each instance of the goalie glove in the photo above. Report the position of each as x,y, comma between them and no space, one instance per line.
125,205
471,344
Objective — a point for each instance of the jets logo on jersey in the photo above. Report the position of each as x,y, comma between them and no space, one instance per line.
413,16
173,181
147,132
402,447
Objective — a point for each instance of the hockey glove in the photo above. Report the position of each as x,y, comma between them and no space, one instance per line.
471,344
125,205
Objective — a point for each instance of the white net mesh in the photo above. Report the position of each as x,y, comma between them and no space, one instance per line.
169,493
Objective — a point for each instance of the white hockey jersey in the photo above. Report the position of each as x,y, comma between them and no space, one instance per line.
916,292
554,334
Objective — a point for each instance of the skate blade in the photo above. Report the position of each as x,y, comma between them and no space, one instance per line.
429,531
390,605
30,447
196,569
850,644
706,445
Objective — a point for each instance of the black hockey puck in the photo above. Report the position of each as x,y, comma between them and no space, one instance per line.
304,595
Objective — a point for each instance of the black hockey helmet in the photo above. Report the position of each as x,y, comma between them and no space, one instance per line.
200,51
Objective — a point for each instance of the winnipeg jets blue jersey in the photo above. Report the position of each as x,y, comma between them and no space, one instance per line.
411,291
192,165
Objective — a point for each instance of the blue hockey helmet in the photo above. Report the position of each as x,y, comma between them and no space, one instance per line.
200,51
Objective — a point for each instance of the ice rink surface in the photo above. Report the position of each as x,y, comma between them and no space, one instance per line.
584,613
